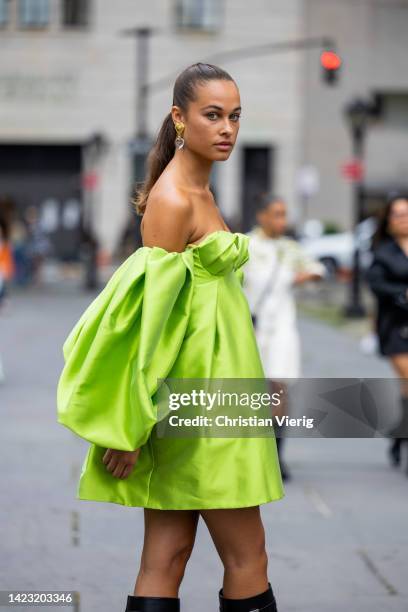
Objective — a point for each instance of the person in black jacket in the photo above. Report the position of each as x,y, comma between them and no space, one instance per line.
387,277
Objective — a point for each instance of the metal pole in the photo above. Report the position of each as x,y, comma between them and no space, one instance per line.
355,307
248,52
140,144
142,57
89,243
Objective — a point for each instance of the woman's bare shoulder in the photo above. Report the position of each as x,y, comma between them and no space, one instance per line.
167,221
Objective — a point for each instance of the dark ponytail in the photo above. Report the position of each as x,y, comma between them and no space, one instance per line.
164,147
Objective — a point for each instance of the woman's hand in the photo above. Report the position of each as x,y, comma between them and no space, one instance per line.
303,277
120,463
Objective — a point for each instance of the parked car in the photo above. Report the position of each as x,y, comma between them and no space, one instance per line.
336,251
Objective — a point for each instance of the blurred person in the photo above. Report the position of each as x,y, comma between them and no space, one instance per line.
387,277
38,244
2,297
130,238
277,264
2,285
19,241
173,308
7,265
6,272
89,248
7,210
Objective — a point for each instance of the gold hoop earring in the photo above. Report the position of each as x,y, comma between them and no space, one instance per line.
179,141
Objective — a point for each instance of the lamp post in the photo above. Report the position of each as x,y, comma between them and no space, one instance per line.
141,143
358,113
95,148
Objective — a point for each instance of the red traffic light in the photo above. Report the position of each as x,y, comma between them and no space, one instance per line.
331,63
330,60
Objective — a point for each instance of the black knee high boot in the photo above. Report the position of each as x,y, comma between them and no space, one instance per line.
394,451
136,603
286,475
399,433
263,602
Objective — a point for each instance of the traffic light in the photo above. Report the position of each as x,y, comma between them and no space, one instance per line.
330,62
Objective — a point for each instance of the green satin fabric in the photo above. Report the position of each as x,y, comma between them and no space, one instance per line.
166,314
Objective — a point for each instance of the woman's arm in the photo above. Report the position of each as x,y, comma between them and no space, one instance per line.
306,267
303,277
167,224
381,286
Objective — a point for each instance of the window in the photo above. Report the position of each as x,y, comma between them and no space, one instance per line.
75,13
34,13
199,14
3,13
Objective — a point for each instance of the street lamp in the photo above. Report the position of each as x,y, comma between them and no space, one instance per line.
95,148
141,143
358,114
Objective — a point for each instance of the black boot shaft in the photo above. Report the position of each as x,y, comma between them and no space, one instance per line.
263,602
152,604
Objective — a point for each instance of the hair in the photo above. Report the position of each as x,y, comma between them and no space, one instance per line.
3,230
163,149
264,199
381,234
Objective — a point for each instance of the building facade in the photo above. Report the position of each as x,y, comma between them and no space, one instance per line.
69,103
371,37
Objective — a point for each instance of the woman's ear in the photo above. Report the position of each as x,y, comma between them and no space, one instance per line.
176,114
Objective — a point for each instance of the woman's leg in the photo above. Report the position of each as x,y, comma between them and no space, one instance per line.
168,542
239,537
400,364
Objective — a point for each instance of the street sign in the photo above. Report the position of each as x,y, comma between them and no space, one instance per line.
353,170
308,181
90,181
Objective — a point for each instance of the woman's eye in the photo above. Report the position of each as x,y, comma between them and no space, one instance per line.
236,115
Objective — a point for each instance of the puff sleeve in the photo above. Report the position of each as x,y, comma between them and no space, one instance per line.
239,273
126,339
242,258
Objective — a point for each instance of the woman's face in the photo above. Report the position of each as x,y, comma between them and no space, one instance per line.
273,218
398,218
211,119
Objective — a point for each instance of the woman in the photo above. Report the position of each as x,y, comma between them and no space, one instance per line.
277,264
176,308
38,245
7,270
7,266
388,279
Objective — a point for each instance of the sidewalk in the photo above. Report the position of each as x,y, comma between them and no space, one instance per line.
337,541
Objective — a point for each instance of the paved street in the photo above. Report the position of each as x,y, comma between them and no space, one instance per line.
337,542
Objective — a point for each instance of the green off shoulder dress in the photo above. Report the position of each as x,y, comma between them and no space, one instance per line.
166,314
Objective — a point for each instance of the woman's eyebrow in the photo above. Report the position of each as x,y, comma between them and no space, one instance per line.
219,107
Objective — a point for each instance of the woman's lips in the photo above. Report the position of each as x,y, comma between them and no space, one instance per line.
223,147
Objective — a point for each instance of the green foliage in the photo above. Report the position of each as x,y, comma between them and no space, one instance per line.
331,227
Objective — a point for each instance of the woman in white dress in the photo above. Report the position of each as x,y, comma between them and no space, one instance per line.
277,264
